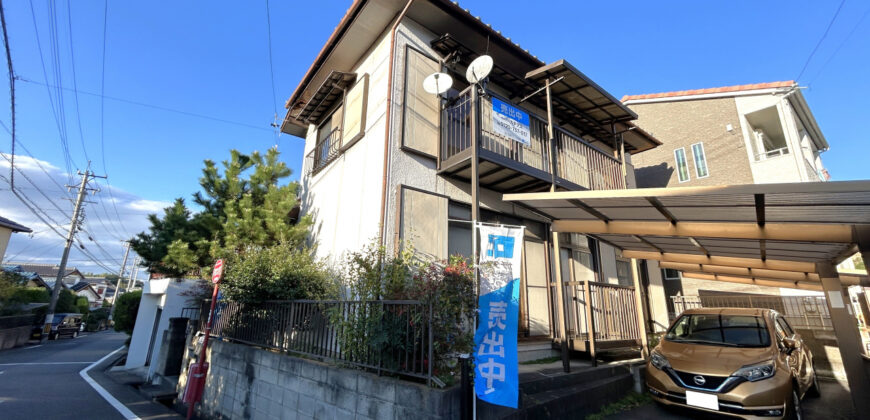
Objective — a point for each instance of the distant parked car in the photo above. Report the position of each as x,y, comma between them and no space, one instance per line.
63,325
747,363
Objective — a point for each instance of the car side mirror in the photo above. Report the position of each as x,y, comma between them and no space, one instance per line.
790,345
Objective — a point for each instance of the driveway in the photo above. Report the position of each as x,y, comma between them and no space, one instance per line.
834,404
43,382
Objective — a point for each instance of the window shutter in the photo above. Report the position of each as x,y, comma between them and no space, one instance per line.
422,109
356,99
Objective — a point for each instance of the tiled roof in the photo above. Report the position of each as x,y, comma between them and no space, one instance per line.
4,222
725,89
46,271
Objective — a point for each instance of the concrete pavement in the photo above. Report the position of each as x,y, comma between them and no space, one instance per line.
43,382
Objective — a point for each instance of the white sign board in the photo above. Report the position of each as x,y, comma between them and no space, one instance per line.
511,122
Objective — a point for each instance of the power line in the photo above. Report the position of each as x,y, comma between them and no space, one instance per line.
54,111
831,23
272,75
11,87
852,32
159,107
72,56
102,111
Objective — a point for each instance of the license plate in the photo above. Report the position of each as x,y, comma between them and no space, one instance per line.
700,399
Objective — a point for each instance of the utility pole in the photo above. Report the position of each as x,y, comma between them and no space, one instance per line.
131,283
120,279
75,222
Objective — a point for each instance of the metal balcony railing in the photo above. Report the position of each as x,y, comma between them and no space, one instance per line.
324,152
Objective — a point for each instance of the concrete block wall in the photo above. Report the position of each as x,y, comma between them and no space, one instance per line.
246,382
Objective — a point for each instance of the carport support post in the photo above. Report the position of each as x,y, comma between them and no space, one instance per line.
638,300
563,321
863,234
846,330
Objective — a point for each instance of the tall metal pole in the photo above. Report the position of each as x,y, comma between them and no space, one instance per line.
131,282
73,228
475,206
551,138
120,279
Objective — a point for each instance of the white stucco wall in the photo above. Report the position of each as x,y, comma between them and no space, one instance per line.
165,294
345,197
784,168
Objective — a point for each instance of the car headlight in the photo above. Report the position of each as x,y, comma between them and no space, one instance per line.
756,372
659,361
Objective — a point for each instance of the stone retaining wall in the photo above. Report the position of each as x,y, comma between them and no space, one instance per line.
246,382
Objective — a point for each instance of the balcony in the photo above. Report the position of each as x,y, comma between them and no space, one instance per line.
508,166
324,152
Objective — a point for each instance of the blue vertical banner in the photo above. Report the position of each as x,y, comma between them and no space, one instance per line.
495,357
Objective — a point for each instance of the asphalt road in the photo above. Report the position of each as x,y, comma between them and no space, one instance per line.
834,404
43,382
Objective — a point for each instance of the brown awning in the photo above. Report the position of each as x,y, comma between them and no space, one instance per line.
330,91
729,232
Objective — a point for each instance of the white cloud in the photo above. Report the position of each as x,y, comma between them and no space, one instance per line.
150,206
104,228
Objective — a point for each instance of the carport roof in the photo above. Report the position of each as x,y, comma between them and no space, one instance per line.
789,227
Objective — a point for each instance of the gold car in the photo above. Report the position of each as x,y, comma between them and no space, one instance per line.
746,363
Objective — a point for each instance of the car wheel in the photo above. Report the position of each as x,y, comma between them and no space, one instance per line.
793,410
75,334
52,336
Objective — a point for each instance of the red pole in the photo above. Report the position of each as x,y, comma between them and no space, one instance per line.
202,368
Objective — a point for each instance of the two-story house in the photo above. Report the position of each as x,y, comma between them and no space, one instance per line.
386,160
760,133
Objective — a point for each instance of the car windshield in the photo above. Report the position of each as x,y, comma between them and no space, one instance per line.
58,318
720,330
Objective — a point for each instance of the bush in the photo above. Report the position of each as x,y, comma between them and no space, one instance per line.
279,272
95,318
125,313
31,295
446,287
66,302
82,305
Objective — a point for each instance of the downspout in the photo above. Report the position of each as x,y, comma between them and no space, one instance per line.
381,229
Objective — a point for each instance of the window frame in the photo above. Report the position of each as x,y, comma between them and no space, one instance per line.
704,159
677,164
630,278
406,147
401,235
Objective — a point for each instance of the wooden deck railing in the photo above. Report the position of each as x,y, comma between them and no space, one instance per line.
576,160
614,312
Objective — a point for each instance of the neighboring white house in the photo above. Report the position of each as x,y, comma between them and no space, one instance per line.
161,299
7,228
384,162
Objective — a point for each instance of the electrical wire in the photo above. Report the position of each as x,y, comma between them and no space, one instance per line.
152,106
11,88
845,40
72,56
831,23
273,93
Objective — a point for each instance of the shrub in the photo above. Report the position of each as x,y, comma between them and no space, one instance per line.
31,295
279,272
125,313
95,318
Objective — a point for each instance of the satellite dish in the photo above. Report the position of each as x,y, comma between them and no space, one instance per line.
437,83
478,69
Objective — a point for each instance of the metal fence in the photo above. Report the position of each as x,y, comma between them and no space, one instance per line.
393,336
810,312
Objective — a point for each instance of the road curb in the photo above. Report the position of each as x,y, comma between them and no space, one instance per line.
126,399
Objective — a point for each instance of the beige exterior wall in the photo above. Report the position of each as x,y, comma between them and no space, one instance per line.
683,123
5,234
692,286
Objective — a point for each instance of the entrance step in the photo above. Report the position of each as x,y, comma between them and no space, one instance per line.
551,393
535,350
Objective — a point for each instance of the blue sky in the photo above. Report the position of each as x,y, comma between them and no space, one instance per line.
211,58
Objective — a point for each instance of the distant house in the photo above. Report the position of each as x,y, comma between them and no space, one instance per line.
101,286
48,272
7,228
84,289
32,279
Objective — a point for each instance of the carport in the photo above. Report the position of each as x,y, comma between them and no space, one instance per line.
780,235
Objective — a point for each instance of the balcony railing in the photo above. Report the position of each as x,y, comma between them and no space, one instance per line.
325,151
577,162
